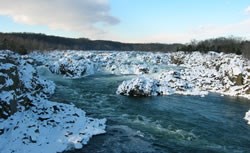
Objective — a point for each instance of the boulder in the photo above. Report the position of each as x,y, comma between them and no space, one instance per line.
141,86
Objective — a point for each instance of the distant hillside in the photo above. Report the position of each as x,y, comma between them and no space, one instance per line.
222,44
26,42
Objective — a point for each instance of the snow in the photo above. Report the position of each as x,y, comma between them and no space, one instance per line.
247,117
6,96
31,123
25,71
9,82
236,70
6,66
40,129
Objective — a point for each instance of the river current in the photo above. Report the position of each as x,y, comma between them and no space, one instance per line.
174,123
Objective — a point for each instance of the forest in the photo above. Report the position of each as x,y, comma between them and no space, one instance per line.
26,42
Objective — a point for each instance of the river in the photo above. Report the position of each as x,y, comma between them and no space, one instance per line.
174,123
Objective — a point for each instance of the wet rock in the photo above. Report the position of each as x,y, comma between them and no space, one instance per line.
176,74
144,70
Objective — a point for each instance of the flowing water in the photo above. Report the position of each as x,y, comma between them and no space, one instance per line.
174,123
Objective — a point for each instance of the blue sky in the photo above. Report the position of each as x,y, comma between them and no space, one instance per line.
161,21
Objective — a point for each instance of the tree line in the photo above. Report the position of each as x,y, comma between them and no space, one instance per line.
26,42
222,44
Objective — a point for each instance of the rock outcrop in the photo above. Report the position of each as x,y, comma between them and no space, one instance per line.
19,82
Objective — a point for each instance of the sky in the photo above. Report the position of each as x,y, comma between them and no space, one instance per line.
141,21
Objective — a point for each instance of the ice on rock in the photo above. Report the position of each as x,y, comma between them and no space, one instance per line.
31,123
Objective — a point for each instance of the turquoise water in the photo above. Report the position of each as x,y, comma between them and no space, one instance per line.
173,123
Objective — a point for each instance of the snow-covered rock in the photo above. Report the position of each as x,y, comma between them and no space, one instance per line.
228,74
31,123
18,83
75,64
166,84
141,86
73,67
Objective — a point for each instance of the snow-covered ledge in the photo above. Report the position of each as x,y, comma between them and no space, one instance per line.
31,123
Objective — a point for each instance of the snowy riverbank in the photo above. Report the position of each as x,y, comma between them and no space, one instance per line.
31,123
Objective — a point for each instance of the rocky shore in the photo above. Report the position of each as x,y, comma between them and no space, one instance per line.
29,122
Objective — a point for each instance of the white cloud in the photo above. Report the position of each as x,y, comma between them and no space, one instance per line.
247,10
79,16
